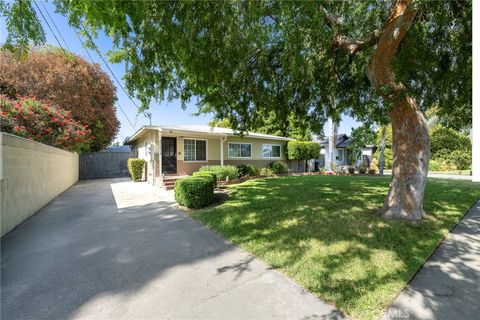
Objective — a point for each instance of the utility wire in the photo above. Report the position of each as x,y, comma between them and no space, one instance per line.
91,59
55,25
55,36
48,24
106,64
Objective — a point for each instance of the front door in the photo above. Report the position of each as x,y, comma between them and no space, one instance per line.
169,155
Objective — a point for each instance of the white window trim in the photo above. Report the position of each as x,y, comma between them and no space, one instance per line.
271,144
337,153
228,150
206,151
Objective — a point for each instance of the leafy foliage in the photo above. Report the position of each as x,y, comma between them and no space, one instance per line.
23,26
194,192
388,153
278,167
248,170
450,147
291,126
207,174
245,59
338,247
67,81
361,136
302,150
135,167
223,173
266,172
35,120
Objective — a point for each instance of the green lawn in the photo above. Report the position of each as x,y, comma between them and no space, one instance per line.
324,232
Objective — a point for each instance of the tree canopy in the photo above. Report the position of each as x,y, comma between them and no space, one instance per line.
247,59
67,81
361,136
242,57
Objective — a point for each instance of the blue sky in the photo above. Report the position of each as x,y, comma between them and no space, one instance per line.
165,113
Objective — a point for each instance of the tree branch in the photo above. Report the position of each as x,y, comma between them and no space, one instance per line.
349,44
354,45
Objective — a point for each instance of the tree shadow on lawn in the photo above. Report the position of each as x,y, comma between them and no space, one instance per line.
325,233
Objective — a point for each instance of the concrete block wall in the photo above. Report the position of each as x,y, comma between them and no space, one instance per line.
31,175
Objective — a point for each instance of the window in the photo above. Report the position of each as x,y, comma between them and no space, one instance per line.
271,151
239,150
195,150
339,155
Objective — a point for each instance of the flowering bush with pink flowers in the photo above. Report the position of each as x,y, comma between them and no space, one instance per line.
35,120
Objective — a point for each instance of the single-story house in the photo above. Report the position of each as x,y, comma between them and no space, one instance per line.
182,150
342,152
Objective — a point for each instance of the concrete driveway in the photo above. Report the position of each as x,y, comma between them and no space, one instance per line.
112,249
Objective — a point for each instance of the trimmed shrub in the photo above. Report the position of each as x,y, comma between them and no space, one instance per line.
372,171
266,172
252,170
194,192
452,149
135,167
278,167
362,169
222,172
303,150
207,174
248,170
434,165
351,169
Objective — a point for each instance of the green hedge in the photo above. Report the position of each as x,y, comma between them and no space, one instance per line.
303,150
248,170
207,174
194,192
222,172
450,148
278,167
135,167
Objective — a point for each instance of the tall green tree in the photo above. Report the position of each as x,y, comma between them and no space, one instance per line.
242,57
361,136
292,126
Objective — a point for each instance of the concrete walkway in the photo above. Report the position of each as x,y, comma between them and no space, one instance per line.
439,176
111,249
448,285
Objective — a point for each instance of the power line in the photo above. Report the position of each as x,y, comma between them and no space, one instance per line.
48,24
63,49
91,59
106,64
55,25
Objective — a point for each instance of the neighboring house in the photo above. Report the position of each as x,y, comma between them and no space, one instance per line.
342,152
184,149
124,148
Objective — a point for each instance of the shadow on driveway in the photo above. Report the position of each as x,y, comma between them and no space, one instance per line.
113,249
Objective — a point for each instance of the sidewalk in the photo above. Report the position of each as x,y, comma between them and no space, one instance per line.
448,285
439,175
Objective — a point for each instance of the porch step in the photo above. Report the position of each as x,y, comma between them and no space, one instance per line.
169,181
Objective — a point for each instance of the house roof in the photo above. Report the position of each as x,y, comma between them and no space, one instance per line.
342,141
123,148
204,130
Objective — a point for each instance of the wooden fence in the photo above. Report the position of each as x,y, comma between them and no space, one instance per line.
102,165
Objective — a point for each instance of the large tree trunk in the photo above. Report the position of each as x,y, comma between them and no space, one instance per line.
411,153
382,150
410,135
